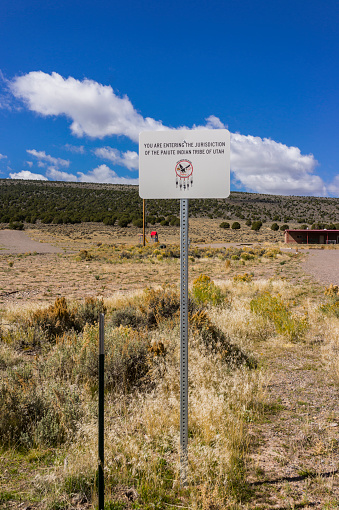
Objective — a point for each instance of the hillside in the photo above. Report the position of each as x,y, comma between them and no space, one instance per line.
62,203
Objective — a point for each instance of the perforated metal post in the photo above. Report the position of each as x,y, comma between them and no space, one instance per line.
183,339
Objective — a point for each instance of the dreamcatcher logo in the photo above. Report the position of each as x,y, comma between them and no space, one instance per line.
184,174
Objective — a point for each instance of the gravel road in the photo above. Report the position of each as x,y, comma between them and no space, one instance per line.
323,266
15,241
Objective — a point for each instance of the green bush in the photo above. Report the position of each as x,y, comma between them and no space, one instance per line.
138,222
236,225
224,224
124,221
59,318
275,226
205,291
158,305
75,357
274,309
127,316
34,415
109,220
284,227
256,225
16,225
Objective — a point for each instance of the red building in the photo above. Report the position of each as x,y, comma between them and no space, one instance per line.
312,236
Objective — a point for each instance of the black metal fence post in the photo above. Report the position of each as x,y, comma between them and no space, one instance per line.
101,446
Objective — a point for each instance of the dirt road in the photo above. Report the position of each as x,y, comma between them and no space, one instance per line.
323,266
15,241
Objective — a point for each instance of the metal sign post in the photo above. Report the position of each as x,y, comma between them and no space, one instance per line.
183,339
184,164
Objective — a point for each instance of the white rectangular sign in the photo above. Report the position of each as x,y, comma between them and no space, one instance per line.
184,163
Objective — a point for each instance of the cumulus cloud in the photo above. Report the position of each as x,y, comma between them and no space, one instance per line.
57,175
104,174
258,164
128,159
44,158
94,109
27,175
265,166
2,156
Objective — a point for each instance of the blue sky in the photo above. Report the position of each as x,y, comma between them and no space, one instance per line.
80,79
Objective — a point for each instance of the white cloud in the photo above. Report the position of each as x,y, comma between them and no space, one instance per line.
213,122
57,175
27,175
29,163
104,174
258,164
94,109
266,166
333,188
45,158
128,159
76,149
2,156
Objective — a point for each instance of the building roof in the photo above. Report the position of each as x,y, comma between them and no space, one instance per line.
315,231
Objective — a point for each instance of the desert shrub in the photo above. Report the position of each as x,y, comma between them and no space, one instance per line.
151,220
332,290
256,225
138,222
88,312
127,316
274,309
54,320
109,220
123,221
246,278
59,318
224,224
236,225
175,222
331,308
247,256
205,291
248,223
284,227
84,255
24,337
16,225
159,305
275,226
125,255
126,357
34,415
272,253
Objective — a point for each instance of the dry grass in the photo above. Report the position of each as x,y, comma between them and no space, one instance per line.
243,422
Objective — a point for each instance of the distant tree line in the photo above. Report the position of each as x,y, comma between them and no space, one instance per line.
58,203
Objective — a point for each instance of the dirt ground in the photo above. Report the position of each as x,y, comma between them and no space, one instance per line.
42,264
